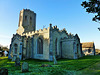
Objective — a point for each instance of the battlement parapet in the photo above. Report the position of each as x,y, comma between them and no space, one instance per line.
55,28
28,10
70,35
40,30
63,30
16,35
37,31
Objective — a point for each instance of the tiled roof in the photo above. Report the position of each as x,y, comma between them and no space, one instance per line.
88,45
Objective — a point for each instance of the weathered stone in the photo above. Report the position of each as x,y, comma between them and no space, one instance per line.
24,67
17,61
3,71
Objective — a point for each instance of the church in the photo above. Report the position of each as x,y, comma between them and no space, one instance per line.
44,43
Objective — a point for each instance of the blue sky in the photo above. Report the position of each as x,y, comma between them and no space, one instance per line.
67,14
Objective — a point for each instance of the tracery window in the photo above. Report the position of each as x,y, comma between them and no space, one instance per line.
77,48
16,47
39,46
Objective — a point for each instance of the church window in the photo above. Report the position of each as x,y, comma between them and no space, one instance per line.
56,46
40,46
15,46
77,48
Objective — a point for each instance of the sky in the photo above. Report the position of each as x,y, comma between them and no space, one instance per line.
67,14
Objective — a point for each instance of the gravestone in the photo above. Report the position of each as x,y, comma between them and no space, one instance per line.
17,61
14,57
24,67
3,71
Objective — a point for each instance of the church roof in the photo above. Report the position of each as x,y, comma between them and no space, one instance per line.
88,45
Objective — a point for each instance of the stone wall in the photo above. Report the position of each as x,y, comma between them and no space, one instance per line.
67,49
58,35
32,45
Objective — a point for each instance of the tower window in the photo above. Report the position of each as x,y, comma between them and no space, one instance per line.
30,18
25,17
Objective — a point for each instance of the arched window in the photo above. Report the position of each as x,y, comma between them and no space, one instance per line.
74,46
30,20
39,46
15,47
77,48
56,46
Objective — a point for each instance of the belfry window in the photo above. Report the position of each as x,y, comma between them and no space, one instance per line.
39,46
15,47
30,20
25,17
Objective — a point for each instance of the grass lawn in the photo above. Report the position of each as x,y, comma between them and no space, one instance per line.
88,65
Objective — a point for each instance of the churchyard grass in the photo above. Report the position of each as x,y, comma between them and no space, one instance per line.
89,65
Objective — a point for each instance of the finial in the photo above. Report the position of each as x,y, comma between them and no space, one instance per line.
50,25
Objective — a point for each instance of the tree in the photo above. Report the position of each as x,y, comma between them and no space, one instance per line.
0,49
5,48
99,29
93,6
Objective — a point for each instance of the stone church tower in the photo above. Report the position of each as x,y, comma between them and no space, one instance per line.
27,21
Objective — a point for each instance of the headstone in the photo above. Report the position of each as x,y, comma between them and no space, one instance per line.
24,67
17,61
14,57
3,71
